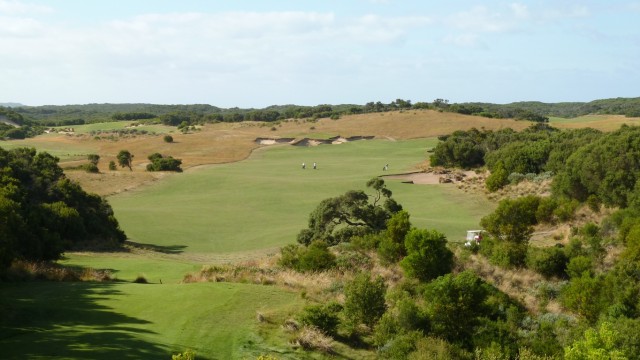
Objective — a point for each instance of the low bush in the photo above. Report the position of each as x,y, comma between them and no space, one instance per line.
549,262
322,317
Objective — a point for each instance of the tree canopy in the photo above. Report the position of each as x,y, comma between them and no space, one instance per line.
354,212
42,213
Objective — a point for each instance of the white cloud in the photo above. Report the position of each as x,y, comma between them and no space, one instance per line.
21,7
19,27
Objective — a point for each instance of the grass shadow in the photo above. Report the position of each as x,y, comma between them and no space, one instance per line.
66,320
169,249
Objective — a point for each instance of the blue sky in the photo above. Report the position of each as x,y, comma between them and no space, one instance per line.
256,53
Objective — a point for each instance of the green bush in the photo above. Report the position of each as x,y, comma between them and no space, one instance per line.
168,138
112,165
498,179
316,257
580,265
548,262
566,209
427,255
546,207
585,295
163,163
364,300
323,317
91,168
508,255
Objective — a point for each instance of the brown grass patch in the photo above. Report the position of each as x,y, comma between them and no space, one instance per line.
29,271
311,338
317,286
519,284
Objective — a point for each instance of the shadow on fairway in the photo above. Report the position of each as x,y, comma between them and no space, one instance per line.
65,320
169,249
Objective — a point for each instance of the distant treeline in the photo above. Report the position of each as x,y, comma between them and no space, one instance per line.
24,129
51,115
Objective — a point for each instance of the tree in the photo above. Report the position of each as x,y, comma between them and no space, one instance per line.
597,344
93,158
353,213
125,158
163,163
454,304
42,213
427,255
391,247
513,219
364,300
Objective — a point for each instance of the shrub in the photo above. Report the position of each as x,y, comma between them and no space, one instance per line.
93,158
584,296
168,138
546,207
427,255
323,317
112,165
364,300
580,265
508,255
498,179
163,163
566,209
350,260
140,279
91,168
316,257
548,262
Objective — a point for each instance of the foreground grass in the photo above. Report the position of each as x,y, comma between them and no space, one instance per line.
45,320
263,202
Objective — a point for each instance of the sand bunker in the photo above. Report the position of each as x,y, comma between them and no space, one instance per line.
273,141
431,177
336,140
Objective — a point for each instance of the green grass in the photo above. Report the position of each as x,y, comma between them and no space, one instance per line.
264,201
257,204
140,321
576,120
125,266
64,151
117,125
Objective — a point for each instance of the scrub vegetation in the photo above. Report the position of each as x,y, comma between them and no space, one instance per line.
263,259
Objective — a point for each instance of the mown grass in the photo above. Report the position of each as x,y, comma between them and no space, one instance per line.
127,266
44,320
64,149
264,201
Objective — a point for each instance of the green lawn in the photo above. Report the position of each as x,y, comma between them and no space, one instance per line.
64,151
46,320
264,201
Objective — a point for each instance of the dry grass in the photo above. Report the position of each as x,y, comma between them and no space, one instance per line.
317,286
27,271
231,142
311,338
519,284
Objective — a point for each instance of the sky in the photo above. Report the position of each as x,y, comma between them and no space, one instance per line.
256,53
